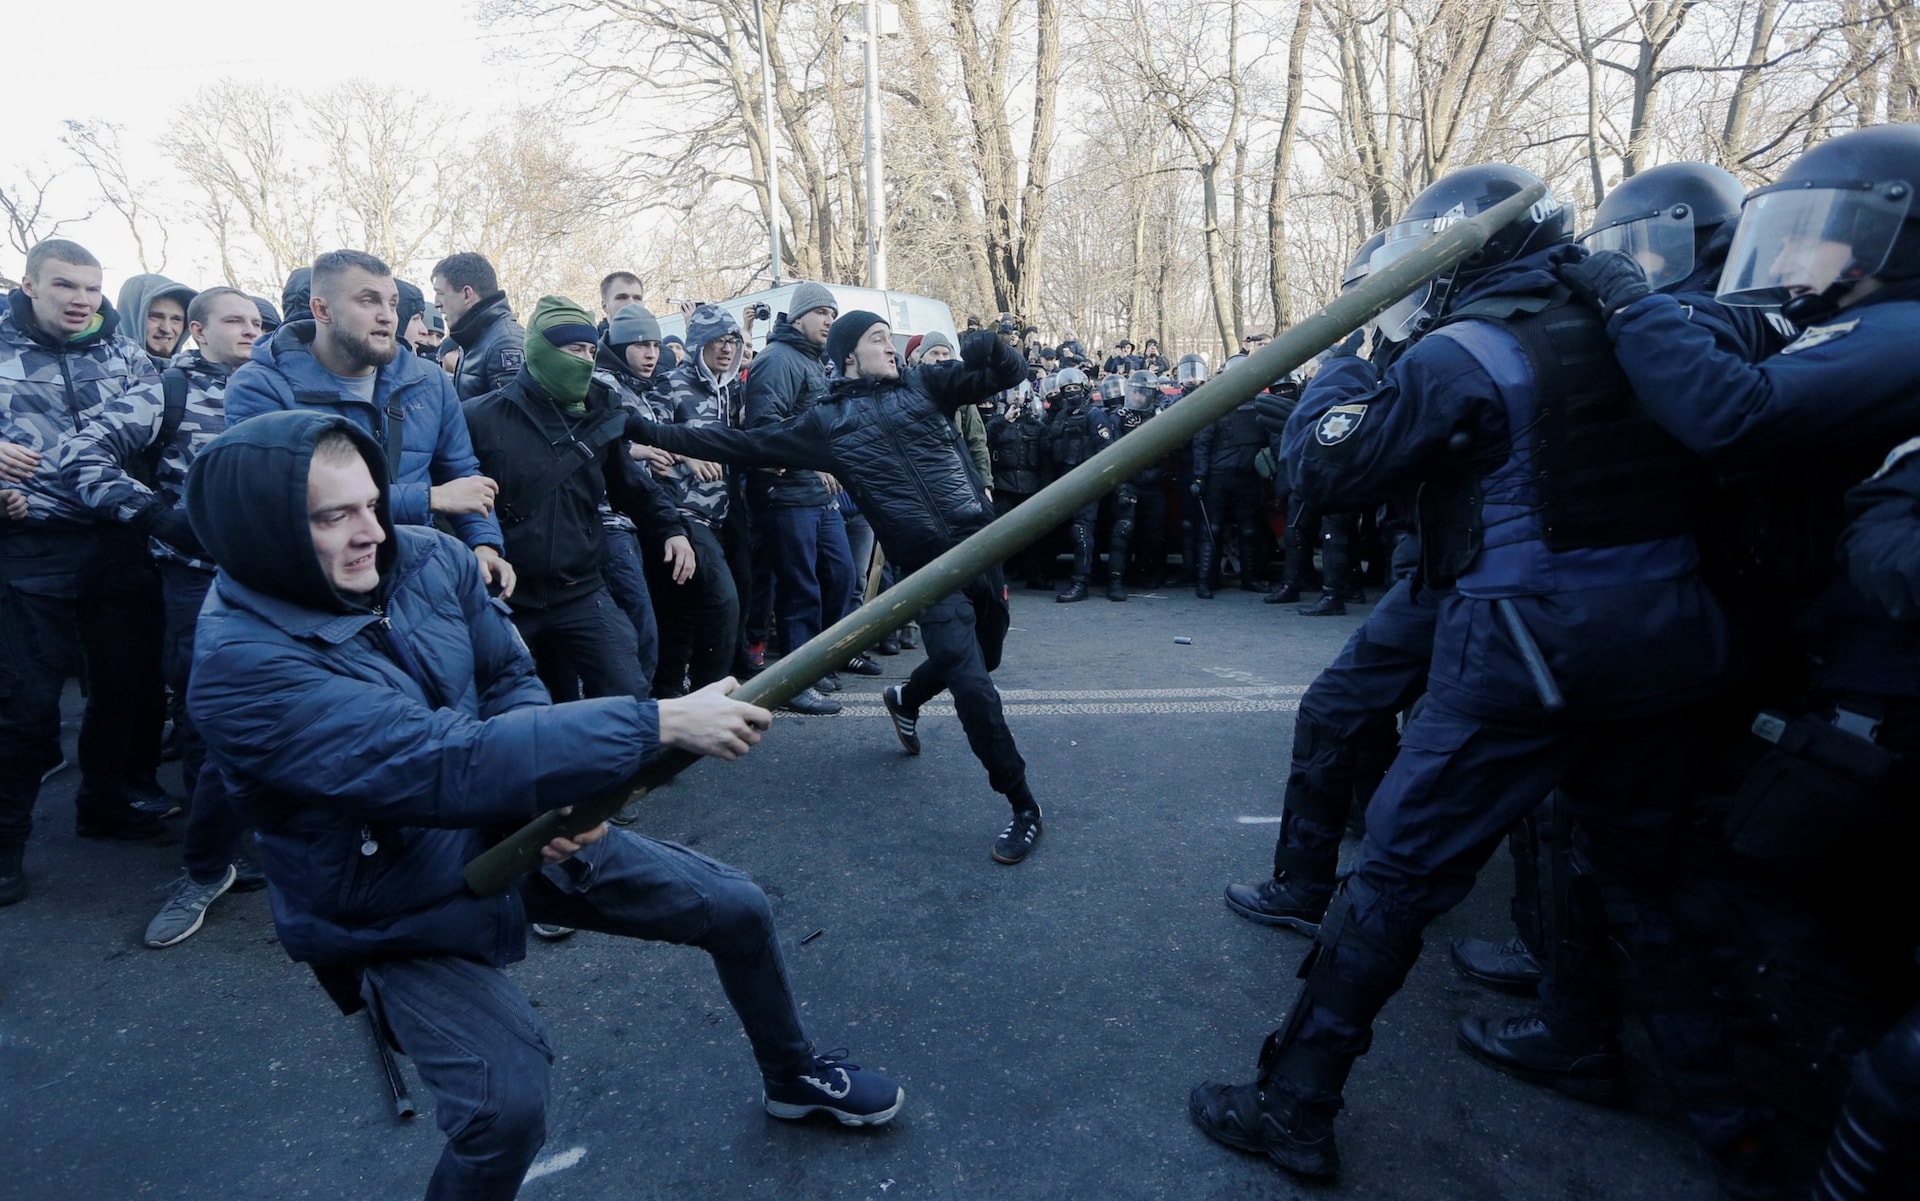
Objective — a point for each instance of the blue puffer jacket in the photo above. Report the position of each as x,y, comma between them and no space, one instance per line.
434,446
376,742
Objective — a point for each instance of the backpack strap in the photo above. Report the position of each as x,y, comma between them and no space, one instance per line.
580,450
173,393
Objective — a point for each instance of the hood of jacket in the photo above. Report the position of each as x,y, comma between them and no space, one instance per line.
296,299
137,296
413,303
784,334
20,316
247,500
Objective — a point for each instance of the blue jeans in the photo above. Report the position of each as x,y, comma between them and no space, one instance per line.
860,544
812,569
627,582
483,1052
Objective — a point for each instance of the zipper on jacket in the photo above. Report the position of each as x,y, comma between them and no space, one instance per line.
900,452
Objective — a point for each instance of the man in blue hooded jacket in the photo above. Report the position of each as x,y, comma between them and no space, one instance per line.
378,720
345,358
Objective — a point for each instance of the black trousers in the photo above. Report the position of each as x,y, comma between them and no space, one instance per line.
214,827
963,635
699,620
587,639
76,599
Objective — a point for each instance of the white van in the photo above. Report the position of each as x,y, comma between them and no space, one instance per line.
906,313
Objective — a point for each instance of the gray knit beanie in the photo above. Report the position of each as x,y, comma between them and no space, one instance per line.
633,323
808,297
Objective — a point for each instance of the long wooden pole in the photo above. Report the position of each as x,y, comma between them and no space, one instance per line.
520,852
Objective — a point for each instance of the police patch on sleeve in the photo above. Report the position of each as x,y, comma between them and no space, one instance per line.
1820,335
1105,434
511,357
1337,424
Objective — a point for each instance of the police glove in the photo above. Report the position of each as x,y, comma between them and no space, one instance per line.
1349,346
1609,281
1271,410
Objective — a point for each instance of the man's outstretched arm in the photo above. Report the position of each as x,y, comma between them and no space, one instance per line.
795,442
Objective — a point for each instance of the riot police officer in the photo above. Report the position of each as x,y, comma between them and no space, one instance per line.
1548,566
1017,444
1231,495
1138,503
1078,431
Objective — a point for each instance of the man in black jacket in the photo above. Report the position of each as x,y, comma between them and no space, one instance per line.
479,321
795,510
554,442
889,437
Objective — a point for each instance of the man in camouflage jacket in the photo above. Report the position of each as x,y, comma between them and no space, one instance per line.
67,581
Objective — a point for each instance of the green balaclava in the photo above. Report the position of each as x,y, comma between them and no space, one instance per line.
558,322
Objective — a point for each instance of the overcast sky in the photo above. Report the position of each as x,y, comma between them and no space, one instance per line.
134,64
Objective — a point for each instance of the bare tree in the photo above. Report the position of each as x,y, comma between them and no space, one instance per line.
97,146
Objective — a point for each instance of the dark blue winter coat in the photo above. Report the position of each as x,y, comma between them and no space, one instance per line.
435,447
377,743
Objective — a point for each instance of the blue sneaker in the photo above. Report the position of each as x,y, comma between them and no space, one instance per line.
844,1091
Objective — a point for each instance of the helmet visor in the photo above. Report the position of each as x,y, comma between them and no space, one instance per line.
1662,243
1190,371
1801,239
1399,320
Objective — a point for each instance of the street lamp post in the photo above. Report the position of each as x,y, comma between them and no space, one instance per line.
876,177
773,145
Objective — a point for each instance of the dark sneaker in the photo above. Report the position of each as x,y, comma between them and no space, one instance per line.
247,876
1278,902
180,918
1282,593
810,702
1268,1122
630,812
860,665
1017,841
13,876
910,636
119,822
890,645
1527,1049
827,683
906,722
757,656
551,932
1328,605
1507,966
845,1092
151,798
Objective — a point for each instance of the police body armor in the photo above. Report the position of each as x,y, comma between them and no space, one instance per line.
1127,421
1602,472
1073,436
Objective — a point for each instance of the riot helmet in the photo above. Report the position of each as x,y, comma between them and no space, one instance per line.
1070,385
1839,214
1191,370
1113,389
1455,197
1665,216
1142,390
1361,264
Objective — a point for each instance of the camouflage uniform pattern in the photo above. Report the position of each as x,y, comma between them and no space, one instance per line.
48,392
690,396
127,429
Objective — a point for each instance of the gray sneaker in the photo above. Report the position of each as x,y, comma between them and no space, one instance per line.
551,932
179,919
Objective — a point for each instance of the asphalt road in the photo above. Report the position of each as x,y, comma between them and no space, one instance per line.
1046,1020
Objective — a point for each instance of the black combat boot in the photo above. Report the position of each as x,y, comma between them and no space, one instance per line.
1507,966
1526,1048
1268,1121
1203,571
1329,605
13,876
1076,590
1279,901
1294,558
1338,585
1116,585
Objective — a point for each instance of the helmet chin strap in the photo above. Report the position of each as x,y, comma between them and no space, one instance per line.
1816,306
